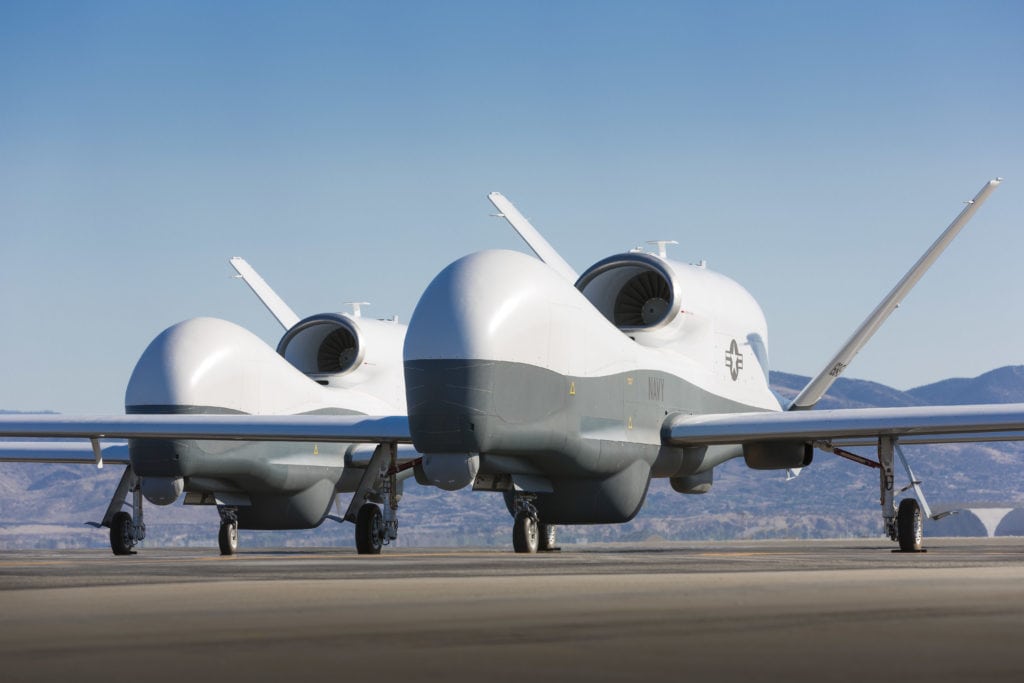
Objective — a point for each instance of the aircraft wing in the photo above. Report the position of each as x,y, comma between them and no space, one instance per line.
312,428
919,424
61,452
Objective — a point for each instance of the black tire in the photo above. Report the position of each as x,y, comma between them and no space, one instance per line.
909,525
369,530
548,537
525,534
121,534
227,539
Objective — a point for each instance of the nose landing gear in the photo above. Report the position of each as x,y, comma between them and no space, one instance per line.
529,534
125,532
227,539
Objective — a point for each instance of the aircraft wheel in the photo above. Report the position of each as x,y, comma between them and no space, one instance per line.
369,530
548,537
525,534
121,536
909,526
228,538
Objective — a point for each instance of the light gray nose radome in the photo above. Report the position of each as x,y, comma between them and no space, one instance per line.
488,305
206,365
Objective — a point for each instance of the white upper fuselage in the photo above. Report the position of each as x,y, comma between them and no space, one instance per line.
211,365
507,306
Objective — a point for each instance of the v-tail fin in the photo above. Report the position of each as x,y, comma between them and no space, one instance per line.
275,304
816,388
540,246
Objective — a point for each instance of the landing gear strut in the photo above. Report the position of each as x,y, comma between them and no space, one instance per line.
369,530
526,537
903,525
548,538
227,539
376,526
121,538
909,527
125,532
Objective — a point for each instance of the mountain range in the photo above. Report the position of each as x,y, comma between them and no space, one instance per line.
46,505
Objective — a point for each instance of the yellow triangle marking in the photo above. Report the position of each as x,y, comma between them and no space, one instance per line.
572,388
629,425
316,450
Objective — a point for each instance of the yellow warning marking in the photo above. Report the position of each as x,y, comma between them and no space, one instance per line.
629,381
572,388
629,425
316,450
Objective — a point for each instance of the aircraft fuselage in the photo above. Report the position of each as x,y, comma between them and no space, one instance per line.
508,362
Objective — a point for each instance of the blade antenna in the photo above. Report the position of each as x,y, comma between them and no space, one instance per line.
540,246
275,304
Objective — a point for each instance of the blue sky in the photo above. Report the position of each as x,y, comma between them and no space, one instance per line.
809,150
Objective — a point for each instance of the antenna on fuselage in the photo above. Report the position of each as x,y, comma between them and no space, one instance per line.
357,310
662,244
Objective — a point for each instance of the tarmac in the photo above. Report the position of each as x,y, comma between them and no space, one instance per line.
738,611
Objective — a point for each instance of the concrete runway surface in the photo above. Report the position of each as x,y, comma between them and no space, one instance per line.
756,611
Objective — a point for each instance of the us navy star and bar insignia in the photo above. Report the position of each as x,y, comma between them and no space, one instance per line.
734,360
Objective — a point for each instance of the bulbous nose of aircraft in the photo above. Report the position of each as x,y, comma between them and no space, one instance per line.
195,366
486,350
488,305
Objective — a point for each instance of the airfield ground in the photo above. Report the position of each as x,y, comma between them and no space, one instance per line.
758,611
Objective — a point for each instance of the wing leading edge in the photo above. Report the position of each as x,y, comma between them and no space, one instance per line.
920,424
312,428
62,452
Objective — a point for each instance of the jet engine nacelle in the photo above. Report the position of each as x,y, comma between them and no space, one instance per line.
336,349
637,293
778,455
657,301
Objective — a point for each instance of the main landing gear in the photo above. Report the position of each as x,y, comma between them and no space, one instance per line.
904,523
909,526
374,506
227,539
529,535
369,530
125,532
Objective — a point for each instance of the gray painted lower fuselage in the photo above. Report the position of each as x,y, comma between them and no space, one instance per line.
283,485
597,440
